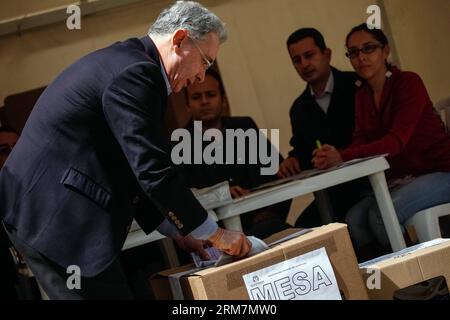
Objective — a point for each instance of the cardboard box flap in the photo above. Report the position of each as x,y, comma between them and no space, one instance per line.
226,282
166,273
323,236
405,254
282,234
406,268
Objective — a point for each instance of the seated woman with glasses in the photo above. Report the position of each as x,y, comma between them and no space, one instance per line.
393,115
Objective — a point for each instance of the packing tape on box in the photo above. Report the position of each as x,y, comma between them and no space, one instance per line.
175,285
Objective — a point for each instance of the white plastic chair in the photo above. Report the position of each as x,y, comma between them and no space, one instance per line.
426,222
443,107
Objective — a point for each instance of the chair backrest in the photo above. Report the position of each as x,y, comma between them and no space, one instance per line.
443,107
18,107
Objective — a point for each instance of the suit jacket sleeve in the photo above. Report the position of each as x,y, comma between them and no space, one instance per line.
133,108
302,148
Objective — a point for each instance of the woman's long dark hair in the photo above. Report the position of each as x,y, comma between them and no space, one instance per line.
378,34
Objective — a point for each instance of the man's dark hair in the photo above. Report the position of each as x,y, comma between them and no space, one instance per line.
378,34
213,73
303,33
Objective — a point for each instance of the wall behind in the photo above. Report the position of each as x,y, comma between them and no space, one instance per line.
16,8
258,75
421,32
37,56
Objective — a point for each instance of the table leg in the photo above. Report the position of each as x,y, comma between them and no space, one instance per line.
324,206
233,223
384,200
170,252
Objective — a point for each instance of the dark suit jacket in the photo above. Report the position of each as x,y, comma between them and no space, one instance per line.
309,122
243,175
92,156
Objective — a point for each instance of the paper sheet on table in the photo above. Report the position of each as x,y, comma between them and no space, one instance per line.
313,172
214,196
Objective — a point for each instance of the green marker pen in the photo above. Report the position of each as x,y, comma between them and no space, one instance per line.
319,145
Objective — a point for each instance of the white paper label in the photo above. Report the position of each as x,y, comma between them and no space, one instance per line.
306,277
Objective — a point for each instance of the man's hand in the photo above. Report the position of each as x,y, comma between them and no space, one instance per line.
326,157
231,242
190,244
289,167
237,191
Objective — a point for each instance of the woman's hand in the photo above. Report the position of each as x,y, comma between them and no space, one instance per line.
326,157
237,192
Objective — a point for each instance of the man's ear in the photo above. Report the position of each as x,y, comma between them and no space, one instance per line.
178,37
387,51
186,99
328,53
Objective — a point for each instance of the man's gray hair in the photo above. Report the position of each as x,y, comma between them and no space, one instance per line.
189,15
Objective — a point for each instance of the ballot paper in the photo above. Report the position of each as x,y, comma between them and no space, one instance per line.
214,196
219,258
213,253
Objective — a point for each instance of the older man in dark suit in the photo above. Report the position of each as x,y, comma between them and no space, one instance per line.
92,157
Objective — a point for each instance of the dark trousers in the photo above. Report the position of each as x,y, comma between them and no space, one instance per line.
266,221
8,275
109,284
342,198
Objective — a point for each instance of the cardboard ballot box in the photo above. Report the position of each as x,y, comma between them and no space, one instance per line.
386,275
331,243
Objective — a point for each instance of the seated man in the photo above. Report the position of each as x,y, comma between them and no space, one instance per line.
323,112
206,102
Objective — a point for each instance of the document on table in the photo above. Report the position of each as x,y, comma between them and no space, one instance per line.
214,196
312,172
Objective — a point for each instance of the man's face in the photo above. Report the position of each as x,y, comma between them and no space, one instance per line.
205,101
310,62
187,64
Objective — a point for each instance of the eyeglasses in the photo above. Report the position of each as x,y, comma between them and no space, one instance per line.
366,49
206,61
